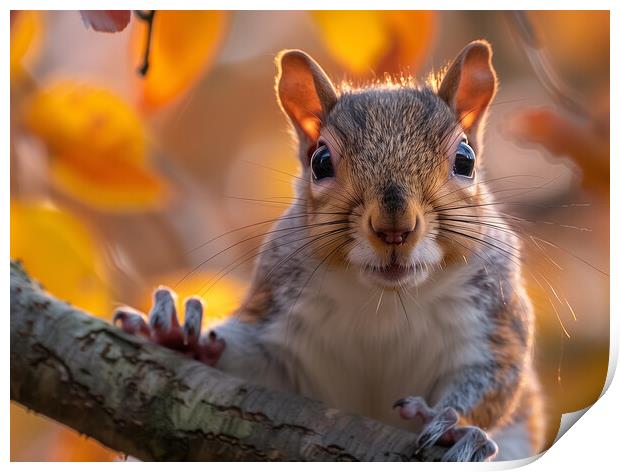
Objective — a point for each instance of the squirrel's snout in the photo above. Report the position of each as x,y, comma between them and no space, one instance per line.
393,231
391,235
393,219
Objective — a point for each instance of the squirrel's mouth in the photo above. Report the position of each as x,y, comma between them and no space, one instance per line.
393,273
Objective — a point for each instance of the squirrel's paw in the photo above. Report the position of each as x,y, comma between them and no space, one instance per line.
466,443
162,327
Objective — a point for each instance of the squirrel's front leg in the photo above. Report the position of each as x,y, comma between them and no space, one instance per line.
234,346
473,399
162,327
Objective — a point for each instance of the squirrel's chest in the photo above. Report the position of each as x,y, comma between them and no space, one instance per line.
360,349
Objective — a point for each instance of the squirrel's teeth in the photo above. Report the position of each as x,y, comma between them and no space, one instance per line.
393,271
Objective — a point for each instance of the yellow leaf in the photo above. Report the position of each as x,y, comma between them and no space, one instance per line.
182,47
367,42
98,146
58,251
221,296
26,29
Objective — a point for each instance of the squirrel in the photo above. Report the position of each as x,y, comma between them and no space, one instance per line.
392,286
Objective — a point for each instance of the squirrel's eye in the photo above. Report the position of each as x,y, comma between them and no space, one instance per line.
464,160
321,163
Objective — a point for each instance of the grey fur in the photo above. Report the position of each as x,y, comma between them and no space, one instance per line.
392,135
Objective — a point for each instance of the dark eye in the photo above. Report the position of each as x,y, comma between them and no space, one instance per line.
321,163
464,160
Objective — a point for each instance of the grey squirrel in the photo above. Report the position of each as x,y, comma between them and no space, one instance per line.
387,288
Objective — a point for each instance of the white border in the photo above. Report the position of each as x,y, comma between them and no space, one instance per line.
590,444
313,5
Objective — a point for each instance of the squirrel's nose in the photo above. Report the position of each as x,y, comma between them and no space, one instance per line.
391,234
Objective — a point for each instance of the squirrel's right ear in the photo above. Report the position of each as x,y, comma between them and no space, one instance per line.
470,84
305,93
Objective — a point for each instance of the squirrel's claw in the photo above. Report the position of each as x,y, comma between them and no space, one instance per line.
193,322
466,443
410,407
435,429
131,321
163,315
473,445
165,328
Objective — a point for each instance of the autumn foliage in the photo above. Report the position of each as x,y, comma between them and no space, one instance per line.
121,181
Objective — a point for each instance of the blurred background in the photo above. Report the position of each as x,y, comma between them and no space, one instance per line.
119,180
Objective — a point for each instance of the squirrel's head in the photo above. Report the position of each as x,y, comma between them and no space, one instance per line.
382,164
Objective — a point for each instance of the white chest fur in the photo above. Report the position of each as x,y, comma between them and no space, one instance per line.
360,348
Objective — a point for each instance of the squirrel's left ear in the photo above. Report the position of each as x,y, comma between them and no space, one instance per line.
305,94
470,84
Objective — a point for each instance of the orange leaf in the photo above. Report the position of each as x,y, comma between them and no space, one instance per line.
116,186
98,146
584,140
182,47
366,42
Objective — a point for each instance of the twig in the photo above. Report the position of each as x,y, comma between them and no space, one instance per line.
148,18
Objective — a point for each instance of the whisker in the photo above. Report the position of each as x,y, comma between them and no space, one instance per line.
291,230
379,302
346,199
512,231
400,298
555,310
274,201
271,220
524,190
471,250
290,256
570,254
220,275
486,243
490,192
533,276
433,197
571,309
499,215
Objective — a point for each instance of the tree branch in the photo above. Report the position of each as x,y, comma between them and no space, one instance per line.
155,404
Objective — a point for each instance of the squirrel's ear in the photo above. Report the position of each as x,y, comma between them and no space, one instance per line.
305,93
470,84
